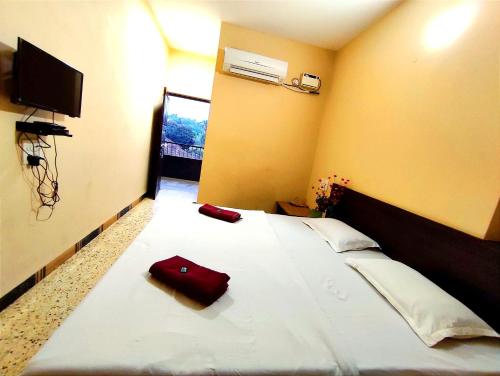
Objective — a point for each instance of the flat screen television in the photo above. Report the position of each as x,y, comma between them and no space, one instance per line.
42,81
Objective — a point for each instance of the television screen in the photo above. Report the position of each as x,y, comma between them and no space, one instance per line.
45,82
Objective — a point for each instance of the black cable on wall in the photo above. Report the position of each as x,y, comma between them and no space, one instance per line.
45,176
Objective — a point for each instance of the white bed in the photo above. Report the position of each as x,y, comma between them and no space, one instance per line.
292,307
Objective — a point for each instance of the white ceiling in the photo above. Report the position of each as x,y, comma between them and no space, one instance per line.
193,25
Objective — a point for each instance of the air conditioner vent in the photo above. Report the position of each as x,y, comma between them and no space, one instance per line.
257,67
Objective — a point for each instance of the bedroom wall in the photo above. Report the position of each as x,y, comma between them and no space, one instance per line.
103,168
190,74
260,137
415,123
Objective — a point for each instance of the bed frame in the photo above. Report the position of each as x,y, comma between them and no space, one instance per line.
466,267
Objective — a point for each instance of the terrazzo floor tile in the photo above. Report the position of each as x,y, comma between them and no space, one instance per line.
28,323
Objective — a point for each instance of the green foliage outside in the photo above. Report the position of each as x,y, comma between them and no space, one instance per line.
184,130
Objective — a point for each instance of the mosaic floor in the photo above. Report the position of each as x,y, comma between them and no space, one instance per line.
27,323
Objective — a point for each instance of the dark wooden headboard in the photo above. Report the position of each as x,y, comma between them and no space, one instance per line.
466,267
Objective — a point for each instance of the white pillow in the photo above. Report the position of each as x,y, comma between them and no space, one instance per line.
430,311
339,235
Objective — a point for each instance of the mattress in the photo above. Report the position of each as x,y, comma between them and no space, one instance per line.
292,307
377,338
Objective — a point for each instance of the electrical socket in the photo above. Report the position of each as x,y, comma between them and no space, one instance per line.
32,148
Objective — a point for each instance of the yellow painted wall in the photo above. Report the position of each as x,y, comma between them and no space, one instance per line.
415,126
104,166
261,138
190,74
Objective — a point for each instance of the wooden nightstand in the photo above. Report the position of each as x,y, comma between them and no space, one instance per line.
284,207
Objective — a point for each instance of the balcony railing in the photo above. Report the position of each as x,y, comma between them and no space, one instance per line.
182,150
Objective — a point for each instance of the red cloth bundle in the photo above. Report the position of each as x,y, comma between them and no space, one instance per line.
197,282
215,212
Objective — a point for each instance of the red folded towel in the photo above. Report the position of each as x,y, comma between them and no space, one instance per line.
199,283
215,212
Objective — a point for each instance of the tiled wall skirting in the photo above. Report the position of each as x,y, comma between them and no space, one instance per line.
16,292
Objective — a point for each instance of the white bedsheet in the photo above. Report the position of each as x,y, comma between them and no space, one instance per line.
292,307
266,323
378,339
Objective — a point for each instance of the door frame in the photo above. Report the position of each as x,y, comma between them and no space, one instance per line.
174,94
154,173
159,120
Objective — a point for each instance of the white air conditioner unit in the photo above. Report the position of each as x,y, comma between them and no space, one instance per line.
257,67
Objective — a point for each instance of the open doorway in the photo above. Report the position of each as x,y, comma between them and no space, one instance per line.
183,137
